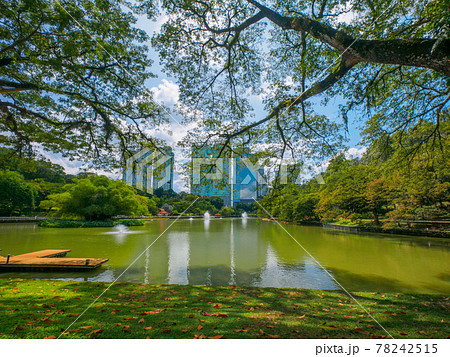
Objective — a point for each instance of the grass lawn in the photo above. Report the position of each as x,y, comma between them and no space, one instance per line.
44,308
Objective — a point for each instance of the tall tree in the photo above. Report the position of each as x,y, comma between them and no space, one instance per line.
72,78
389,61
16,195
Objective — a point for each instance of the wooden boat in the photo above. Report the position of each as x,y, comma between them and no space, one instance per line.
48,259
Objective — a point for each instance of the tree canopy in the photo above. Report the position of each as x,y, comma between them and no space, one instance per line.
387,62
394,184
72,79
97,198
16,195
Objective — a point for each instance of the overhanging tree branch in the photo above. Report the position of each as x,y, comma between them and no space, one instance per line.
344,66
426,53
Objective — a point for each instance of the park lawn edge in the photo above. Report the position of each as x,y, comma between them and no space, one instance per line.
46,308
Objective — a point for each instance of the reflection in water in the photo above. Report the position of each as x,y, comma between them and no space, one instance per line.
178,258
227,252
232,268
306,275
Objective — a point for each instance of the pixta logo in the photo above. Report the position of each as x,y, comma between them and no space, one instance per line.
147,170
220,169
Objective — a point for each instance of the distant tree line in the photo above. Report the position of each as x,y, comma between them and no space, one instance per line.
399,178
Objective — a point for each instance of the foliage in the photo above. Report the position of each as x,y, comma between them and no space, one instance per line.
97,198
16,195
130,222
226,212
406,178
65,223
387,63
72,79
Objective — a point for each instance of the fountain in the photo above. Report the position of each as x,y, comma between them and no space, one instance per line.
121,229
206,220
244,219
191,219
121,232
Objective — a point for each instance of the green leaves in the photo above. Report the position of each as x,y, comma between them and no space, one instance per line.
16,195
97,198
87,65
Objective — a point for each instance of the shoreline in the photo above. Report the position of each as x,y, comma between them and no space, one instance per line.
365,229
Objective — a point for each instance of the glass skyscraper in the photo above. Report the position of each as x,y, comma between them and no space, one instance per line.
231,178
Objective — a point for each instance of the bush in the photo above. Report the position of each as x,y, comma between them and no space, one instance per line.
66,223
130,223
97,198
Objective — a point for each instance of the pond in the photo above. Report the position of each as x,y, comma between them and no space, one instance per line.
245,252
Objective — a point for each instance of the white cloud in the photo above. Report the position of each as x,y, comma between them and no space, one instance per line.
354,153
166,92
347,17
289,81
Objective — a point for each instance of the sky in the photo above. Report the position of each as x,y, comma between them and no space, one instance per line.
166,92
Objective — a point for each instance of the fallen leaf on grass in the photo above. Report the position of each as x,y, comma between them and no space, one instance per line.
86,327
126,328
100,330
270,326
49,337
166,331
403,333
215,337
422,332
301,317
331,327
141,321
360,330
148,328
273,336
199,327
378,336
222,314
151,312
72,315
95,333
206,314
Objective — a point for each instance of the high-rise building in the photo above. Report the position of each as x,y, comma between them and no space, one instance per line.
210,175
232,178
149,170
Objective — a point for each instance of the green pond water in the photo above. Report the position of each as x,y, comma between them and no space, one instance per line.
242,252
